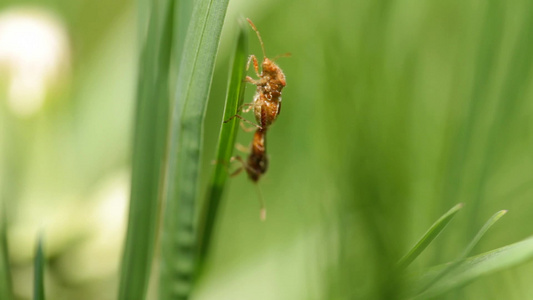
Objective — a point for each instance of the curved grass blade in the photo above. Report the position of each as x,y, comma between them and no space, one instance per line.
226,143
151,122
38,277
429,236
482,232
5,274
478,266
185,143
436,275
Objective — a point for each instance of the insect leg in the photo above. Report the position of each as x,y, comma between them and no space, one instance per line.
239,170
256,64
227,165
242,148
252,81
263,211
236,172
243,119
248,106
222,162
244,164
246,129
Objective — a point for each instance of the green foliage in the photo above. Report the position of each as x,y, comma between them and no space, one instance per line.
490,222
226,143
38,271
184,148
151,120
394,111
443,278
429,236
477,266
5,273
427,282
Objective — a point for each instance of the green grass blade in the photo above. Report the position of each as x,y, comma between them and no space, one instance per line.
482,232
436,275
38,277
478,266
151,122
5,273
226,143
182,18
429,236
186,130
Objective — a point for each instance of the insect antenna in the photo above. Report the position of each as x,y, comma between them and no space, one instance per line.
263,212
258,36
281,55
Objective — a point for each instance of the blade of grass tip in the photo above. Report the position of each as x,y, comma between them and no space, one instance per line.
429,236
452,265
5,274
178,240
151,123
38,275
226,143
481,265
482,232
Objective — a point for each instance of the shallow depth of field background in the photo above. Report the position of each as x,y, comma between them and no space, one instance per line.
394,111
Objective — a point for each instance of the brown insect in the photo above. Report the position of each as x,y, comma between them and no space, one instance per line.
266,106
257,163
267,99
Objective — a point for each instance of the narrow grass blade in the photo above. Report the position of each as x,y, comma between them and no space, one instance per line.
478,266
482,232
182,18
38,275
429,236
185,143
436,275
226,143
151,122
5,273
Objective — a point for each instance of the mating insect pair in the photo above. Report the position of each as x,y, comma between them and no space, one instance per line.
266,106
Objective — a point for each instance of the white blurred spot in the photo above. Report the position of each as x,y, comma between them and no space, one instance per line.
107,223
34,49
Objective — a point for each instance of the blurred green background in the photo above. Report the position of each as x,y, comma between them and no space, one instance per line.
394,111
